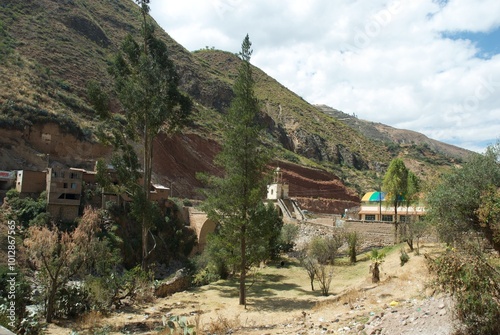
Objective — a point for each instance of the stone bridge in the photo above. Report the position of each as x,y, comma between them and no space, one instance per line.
202,226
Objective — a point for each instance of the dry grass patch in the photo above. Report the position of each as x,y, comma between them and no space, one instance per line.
92,322
222,324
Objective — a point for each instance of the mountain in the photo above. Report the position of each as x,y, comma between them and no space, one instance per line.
50,50
388,134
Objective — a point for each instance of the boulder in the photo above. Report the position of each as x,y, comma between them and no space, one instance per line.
179,283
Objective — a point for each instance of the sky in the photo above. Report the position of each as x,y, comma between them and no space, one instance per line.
432,66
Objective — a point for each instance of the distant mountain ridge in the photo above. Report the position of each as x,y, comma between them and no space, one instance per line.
381,132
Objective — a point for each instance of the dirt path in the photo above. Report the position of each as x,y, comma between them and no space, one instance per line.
281,302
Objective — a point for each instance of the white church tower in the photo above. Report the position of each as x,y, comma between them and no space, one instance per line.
278,188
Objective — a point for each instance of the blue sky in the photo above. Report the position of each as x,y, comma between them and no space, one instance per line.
487,43
432,66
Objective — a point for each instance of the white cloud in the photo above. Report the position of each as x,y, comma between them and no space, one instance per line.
474,16
384,60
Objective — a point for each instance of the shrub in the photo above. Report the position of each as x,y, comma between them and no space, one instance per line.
223,325
324,274
30,326
291,157
27,210
325,249
289,233
72,300
377,258
179,325
205,276
22,298
403,257
318,259
473,282
353,242
212,262
113,208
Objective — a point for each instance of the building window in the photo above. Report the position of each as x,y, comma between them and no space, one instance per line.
74,175
370,217
73,186
65,185
403,218
69,196
387,218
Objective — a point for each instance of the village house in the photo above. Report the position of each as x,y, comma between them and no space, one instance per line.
30,183
64,192
66,188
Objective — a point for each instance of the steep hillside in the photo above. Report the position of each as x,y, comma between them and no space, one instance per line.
50,49
296,124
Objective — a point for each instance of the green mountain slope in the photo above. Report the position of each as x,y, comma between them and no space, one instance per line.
50,49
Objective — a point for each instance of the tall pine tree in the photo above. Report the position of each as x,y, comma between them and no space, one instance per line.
235,200
146,84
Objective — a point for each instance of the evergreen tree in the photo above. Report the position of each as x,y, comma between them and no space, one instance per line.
411,198
146,84
235,200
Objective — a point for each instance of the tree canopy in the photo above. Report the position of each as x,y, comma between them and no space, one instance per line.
466,199
146,85
396,185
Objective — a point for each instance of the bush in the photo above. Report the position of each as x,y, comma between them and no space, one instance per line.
113,208
72,301
318,259
291,157
289,233
353,242
27,210
179,325
106,290
325,249
377,259
211,265
22,298
473,282
403,257
206,270
205,276
30,326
